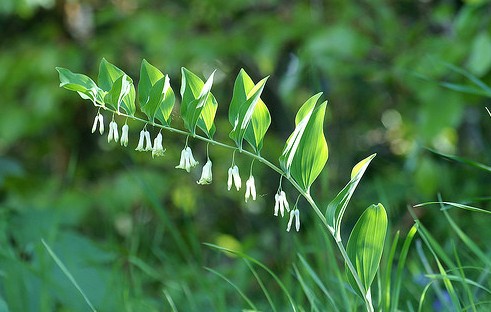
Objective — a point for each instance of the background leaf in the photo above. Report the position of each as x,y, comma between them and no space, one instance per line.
366,244
305,152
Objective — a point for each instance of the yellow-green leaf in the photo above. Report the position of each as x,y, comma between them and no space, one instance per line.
366,244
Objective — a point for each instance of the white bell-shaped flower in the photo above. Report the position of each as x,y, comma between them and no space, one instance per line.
294,214
124,135
148,146
280,203
158,149
206,174
141,141
187,160
250,189
234,177
99,120
113,132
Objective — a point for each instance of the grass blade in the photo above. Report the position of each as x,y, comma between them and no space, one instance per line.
67,273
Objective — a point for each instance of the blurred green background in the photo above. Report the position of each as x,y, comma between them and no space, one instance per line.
130,228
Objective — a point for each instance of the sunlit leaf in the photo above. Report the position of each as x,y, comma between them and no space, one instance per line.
80,83
336,208
305,152
248,114
120,89
108,75
155,94
366,244
195,97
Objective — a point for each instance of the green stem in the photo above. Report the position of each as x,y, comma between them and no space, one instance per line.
304,193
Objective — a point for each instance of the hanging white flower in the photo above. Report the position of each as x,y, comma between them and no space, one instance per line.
99,120
113,132
148,146
206,174
280,203
294,214
158,149
187,160
250,189
234,176
141,141
124,135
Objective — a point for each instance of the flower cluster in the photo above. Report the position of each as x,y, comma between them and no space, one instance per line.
187,162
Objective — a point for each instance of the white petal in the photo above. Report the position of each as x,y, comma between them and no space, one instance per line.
140,141
111,132
276,204
124,135
297,220
115,131
182,161
292,214
101,124
192,161
229,181
236,176
148,146
94,126
284,201
206,175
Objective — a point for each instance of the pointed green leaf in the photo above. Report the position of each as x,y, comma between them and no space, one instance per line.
80,83
120,88
149,76
163,113
206,120
155,94
245,114
256,130
195,97
337,207
243,85
108,75
305,152
366,244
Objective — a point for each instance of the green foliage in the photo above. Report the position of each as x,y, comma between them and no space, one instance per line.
80,83
336,208
248,115
198,106
366,244
305,152
119,87
155,94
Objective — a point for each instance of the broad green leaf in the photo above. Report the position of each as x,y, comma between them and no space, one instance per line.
337,207
155,94
164,110
80,83
108,75
245,115
261,119
305,152
243,85
366,244
206,120
120,89
195,97
149,76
